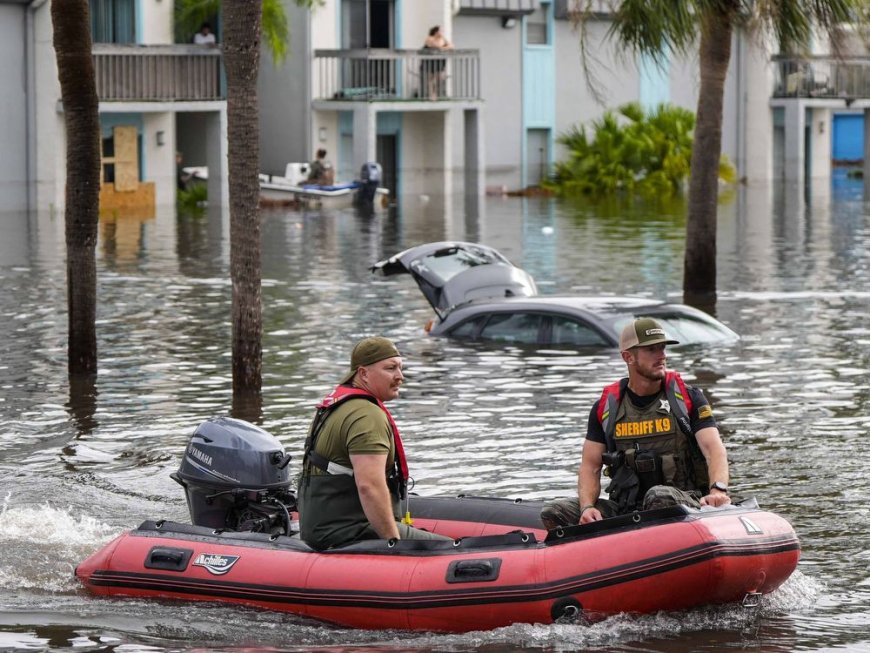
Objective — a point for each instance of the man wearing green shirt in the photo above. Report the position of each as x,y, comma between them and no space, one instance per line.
354,472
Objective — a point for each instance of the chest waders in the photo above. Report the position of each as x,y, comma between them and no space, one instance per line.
649,446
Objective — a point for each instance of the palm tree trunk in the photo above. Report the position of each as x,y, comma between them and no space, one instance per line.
241,51
699,269
75,67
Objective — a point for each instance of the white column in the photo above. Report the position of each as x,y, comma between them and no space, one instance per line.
365,135
474,152
795,147
216,157
451,118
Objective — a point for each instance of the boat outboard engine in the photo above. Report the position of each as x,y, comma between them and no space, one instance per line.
236,477
370,178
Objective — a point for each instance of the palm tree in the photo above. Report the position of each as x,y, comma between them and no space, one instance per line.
655,27
244,21
241,49
75,67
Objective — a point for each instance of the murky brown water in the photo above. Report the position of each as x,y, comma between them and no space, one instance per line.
791,398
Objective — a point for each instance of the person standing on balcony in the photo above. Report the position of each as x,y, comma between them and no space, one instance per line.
204,36
433,72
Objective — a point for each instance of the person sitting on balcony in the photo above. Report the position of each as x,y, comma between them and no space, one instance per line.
433,71
204,36
321,173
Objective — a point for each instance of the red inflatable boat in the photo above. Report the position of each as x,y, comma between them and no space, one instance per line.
667,559
501,568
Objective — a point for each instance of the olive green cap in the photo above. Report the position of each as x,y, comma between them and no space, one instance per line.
642,332
368,351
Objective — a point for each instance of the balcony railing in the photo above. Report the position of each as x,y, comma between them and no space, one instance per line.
822,77
158,73
396,75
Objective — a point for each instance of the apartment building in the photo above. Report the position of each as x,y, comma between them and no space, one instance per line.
157,97
516,80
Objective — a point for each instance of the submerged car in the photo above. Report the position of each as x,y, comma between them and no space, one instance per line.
479,295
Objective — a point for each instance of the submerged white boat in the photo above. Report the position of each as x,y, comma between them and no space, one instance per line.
291,188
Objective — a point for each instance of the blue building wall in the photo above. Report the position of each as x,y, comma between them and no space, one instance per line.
539,92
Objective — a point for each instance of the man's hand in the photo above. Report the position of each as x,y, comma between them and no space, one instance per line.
590,515
716,499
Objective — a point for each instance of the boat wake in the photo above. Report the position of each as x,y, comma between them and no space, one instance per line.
43,544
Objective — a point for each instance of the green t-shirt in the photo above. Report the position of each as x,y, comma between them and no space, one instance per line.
355,426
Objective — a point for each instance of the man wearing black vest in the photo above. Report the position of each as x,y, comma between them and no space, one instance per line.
656,436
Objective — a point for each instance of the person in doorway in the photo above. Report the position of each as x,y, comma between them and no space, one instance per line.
354,472
656,436
204,36
321,173
433,72
182,178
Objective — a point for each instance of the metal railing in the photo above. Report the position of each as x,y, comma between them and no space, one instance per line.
822,77
396,75
157,72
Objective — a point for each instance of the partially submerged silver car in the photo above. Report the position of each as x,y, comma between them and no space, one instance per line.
479,295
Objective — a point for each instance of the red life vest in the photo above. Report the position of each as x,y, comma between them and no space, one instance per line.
344,392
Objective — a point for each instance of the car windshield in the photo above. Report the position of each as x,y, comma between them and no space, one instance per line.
446,264
688,329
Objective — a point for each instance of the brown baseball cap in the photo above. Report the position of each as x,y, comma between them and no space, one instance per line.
368,351
642,332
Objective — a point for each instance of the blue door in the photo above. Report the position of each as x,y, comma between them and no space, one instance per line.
848,137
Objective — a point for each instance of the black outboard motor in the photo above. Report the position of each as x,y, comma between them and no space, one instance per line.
370,178
235,476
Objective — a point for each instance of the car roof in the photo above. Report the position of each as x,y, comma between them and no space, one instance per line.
607,314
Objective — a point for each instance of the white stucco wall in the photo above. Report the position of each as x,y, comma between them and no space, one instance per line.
419,16
821,127
157,22
50,136
13,108
160,159
501,89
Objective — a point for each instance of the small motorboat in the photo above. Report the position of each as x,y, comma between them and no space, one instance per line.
500,568
292,189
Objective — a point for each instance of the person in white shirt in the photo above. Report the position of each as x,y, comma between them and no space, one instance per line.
204,36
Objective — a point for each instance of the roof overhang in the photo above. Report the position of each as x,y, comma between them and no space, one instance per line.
497,7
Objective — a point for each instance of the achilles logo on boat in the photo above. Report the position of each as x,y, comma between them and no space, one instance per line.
216,563
751,527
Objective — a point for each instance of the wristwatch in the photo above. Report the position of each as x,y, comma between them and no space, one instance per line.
719,485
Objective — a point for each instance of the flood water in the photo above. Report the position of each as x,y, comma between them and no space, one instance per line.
791,398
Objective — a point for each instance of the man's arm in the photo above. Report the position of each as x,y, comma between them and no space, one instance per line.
589,480
717,464
371,483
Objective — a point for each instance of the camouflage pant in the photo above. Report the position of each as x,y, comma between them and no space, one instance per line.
566,510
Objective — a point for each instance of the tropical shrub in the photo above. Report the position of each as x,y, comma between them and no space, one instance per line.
630,151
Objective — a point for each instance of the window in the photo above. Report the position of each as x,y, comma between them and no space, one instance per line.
519,328
113,21
687,329
565,331
469,328
537,32
447,263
